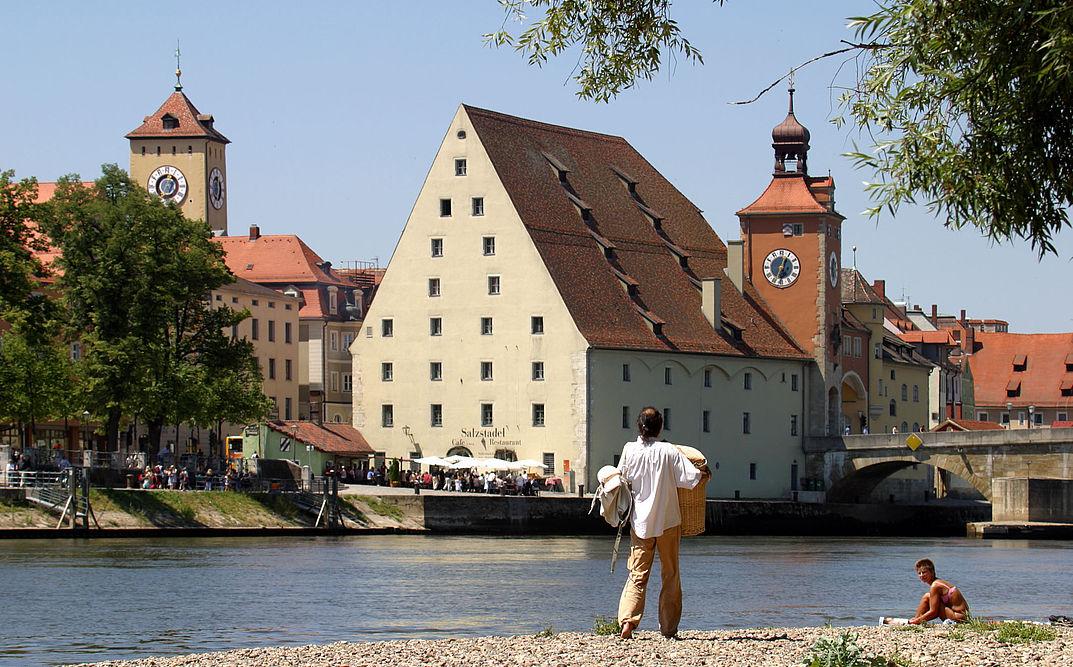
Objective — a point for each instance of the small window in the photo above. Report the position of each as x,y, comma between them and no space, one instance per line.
348,382
271,368
255,329
707,377
625,372
876,351
916,393
433,286
793,424
255,302
333,301
905,427
288,369
893,408
1037,418
461,134
333,338
486,371
793,382
666,376
538,414
549,462
799,229
387,371
460,166
488,244
170,122
666,419
368,332
752,471
436,415
387,415
435,326
538,371
437,247
1062,416
387,328
981,416
493,285
746,423
905,392
536,325
748,381
1005,418
705,421
445,208
288,409
892,374
478,206
486,414
625,416
486,326
435,371
287,334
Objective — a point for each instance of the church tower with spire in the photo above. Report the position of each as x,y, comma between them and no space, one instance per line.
178,155
792,238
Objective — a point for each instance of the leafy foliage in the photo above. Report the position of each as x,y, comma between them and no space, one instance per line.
606,625
1016,632
967,106
620,41
843,651
20,300
965,103
38,380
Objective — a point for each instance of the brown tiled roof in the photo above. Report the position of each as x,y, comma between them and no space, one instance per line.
1040,383
967,425
192,123
329,438
623,195
855,289
853,322
786,194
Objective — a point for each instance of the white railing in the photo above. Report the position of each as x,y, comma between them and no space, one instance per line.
11,479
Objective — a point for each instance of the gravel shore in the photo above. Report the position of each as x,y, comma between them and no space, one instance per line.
935,646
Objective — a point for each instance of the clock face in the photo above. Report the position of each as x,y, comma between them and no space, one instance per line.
168,183
832,269
216,188
781,268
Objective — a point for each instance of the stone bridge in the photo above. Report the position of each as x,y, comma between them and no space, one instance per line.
851,466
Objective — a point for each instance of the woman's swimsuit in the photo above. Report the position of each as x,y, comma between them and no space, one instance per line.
949,595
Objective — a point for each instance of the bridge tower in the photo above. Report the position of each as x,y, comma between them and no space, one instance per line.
792,238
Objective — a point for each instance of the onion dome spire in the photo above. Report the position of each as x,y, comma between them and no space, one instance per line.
790,140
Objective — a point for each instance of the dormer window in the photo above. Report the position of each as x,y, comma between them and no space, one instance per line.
333,300
1020,363
170,122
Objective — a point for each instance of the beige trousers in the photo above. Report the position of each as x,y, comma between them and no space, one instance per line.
642,552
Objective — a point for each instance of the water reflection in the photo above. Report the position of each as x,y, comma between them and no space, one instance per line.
104,599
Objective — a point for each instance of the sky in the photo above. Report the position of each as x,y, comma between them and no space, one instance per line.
335,111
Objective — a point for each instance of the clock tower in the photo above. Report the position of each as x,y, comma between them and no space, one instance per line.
793,255
178,155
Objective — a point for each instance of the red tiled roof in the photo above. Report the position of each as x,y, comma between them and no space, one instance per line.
276,258
329,438
1040,382
192,123
786,194
967,425
599,170
1066,383
941,337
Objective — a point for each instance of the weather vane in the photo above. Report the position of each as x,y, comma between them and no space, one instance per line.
178,70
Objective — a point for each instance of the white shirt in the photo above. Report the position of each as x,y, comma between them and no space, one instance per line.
656,470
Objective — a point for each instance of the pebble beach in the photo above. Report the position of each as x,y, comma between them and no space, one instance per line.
934,646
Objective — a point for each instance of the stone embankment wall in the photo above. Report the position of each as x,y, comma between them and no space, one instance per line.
568,516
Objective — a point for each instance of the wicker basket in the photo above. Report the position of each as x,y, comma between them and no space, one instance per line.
692,502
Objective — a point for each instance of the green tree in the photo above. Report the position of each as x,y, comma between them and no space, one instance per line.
38,382
20,270
136,281
965,103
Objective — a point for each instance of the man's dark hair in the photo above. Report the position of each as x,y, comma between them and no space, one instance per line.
649,422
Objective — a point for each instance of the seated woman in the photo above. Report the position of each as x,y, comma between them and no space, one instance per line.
942,601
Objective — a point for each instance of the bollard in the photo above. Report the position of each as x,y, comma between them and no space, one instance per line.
580,490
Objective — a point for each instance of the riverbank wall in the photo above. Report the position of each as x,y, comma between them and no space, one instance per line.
570,516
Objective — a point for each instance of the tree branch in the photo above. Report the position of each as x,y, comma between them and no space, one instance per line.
852,46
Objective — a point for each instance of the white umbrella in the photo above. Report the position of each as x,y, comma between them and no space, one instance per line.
531,463
432,461
464,462
493,464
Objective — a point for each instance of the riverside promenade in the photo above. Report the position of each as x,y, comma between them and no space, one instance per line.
937,646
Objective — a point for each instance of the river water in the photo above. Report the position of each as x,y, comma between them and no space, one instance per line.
82,600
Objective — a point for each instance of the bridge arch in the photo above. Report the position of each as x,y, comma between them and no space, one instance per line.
860,477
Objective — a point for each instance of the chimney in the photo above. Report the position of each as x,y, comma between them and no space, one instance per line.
711,297
962,320
255,232
934,315
735,264
880,288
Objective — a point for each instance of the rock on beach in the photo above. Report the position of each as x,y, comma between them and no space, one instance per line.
933,647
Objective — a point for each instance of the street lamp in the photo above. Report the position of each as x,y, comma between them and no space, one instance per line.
1031,414
1009,414
85,429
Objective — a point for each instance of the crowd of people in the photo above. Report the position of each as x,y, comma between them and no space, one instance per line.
189,478
464,481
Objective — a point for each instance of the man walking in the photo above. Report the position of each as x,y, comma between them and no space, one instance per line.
655,470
